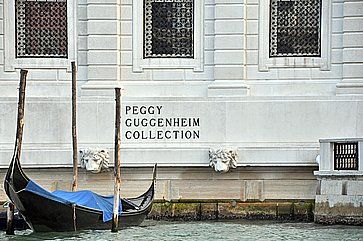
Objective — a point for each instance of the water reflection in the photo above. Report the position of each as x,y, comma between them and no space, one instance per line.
202,231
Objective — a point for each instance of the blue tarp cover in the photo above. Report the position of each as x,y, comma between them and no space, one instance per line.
84,198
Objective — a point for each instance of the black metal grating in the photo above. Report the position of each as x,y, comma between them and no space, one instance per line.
168,28
295,28
346,156
41,28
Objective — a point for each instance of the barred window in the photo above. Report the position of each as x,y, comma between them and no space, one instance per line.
168,28
41,28
346,156
295,27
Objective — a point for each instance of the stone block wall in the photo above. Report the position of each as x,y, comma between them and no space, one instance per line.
339,197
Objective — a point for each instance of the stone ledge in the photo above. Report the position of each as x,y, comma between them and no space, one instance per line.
228,89
200,210
338,174
349,88
329,140
331,220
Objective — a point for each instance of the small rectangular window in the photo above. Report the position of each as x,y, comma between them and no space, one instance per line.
41,29
346,156
295,28
168,28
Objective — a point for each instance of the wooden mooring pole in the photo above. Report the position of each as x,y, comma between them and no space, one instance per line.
19,141
74,127
10,219
21,104
117,169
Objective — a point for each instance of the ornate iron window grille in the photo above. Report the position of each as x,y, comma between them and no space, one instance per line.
346,156
295,27
168,28
41,29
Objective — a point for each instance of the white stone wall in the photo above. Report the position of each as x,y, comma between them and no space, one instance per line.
273,116
266,132
352,31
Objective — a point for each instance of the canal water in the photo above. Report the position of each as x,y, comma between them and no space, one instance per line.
208,231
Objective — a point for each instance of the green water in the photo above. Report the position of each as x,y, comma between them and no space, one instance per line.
208,231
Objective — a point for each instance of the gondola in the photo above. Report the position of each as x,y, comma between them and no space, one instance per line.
61,211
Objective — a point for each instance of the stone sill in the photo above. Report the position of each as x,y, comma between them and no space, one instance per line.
328,140
338,173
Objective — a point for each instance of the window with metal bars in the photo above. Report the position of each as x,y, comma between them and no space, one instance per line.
295,27
168,28
346,156
41,29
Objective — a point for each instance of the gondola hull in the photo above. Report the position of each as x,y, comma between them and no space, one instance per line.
44,215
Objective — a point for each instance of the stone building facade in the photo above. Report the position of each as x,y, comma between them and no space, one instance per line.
267,78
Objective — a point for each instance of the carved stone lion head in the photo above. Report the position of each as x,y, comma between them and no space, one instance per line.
223,159
94,160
